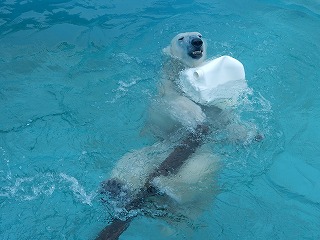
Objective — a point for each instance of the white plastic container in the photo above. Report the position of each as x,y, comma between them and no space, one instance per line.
218,82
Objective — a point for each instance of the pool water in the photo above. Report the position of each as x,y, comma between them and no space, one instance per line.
76,79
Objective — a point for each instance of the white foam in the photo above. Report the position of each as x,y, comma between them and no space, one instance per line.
29,188
78,190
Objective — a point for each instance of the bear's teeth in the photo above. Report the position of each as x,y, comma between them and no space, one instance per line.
197,52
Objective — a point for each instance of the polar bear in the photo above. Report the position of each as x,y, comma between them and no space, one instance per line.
183,195
171,116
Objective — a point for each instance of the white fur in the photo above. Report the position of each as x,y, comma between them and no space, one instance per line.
177,49
172,107
194,181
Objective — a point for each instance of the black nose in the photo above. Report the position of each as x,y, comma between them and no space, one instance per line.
196,42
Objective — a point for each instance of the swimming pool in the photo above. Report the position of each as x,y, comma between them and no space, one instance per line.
76,78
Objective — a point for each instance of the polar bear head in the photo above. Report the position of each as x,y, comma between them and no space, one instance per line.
188,47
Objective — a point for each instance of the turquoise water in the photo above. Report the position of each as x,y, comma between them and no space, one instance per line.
76,78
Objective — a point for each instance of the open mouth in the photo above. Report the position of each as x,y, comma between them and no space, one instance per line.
196,54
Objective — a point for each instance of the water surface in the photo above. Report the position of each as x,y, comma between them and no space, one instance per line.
76,78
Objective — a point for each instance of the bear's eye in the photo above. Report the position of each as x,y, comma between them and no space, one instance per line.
199,36
181,38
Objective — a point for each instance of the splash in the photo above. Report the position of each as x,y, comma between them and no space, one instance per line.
28,188
77,189
43,184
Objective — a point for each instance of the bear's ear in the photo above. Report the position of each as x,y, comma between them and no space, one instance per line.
167,51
